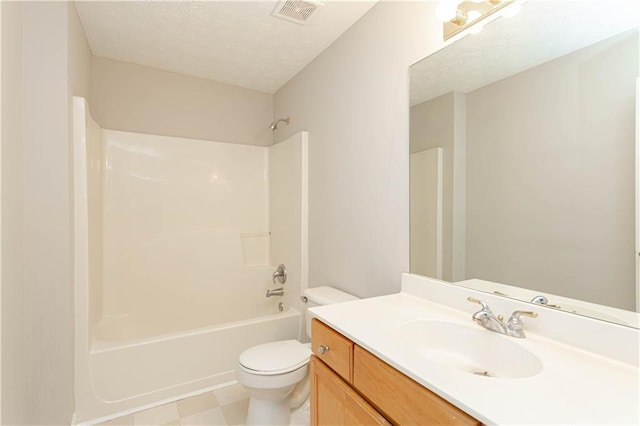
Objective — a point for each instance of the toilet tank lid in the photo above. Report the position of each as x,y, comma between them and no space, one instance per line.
326,295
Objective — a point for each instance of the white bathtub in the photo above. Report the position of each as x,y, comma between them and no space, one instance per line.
128,374
169,287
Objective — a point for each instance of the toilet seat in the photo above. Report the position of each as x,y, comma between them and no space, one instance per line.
275,358
276,374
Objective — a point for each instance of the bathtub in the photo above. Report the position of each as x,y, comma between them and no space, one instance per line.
128,374
174,245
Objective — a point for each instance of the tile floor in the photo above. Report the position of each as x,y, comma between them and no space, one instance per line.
223,407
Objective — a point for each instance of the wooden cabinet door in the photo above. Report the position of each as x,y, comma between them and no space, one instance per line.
403,400
334,402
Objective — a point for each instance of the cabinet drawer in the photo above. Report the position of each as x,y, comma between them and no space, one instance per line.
334,402
337,350
401,399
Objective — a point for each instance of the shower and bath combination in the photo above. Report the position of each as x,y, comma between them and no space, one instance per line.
274,125
126,341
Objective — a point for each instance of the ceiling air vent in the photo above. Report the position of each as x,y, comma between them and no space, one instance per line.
298,11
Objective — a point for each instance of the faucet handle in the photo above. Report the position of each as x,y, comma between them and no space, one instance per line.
542,300
485,307
529,314
280,274
515,324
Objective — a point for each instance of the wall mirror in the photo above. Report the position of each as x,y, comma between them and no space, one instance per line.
523,158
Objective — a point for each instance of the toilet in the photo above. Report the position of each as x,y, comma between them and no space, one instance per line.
276,374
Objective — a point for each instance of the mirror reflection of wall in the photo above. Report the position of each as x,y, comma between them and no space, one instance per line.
538,175
426,196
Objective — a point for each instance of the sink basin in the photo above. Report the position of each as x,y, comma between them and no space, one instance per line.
469,349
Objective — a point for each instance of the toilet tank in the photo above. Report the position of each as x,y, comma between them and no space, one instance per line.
320,296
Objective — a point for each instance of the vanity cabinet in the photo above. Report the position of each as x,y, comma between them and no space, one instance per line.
351,386
336,403
339,355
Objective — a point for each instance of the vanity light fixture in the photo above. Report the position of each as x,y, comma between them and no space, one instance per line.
448,10
472,15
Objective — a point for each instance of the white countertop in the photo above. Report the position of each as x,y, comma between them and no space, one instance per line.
574,387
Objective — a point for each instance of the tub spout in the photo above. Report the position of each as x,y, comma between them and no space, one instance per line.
276,292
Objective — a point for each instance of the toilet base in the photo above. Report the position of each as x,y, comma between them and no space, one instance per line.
270,395
272,411
301,416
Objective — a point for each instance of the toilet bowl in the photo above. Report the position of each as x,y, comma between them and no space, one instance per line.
276,374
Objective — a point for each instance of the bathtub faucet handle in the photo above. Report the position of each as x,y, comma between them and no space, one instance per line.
280,274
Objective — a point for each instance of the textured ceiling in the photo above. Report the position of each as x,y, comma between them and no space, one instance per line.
236,42
544,30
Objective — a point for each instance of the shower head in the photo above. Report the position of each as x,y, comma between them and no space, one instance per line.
274,125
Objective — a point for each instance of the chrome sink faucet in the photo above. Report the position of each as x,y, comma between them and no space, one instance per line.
486,318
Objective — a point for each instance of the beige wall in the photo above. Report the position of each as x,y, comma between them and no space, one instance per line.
353,99
551,177
432,127
49,61
140,99
0,214
441,122
14,370
79,58
79,66
288,214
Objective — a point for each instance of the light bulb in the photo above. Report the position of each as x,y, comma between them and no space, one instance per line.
447,10
475,29
472,15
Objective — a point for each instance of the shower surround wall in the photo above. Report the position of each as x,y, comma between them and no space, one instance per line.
176,241
176,211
